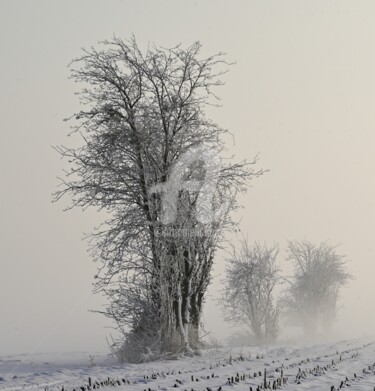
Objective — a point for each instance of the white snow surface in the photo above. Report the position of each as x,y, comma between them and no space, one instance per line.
320,367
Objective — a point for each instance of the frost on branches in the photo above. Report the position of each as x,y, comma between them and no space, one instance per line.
141,113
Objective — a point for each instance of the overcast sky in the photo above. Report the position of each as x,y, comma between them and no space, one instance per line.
302,95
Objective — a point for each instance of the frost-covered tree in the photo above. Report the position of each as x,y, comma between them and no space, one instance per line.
143,112
251,278
311,299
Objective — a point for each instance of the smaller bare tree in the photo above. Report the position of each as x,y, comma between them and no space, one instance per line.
311,300
248,299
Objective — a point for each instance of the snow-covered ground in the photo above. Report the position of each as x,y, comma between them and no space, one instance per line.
316,367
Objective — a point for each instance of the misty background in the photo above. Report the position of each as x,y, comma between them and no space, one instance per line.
302,95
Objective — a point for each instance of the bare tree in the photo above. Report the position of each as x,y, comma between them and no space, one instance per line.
311,300
251,278
143,113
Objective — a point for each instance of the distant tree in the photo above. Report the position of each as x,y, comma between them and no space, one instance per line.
311,300
248,298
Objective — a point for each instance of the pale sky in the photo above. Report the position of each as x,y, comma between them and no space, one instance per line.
302,95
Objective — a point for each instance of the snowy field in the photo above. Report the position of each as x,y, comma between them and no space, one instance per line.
318,367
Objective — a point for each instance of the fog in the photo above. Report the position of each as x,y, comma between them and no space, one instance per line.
301,95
